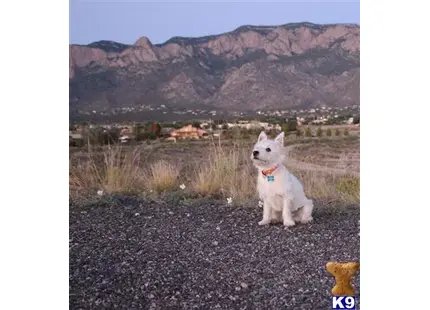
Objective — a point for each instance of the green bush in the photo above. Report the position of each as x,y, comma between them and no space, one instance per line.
308,132
291,125
152,135
356,120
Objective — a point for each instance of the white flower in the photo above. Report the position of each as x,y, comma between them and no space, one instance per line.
229,200
182,186
100,192
260,204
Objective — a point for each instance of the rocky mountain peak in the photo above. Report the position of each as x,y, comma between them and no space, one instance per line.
251,67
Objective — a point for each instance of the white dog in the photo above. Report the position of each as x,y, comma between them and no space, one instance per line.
281,192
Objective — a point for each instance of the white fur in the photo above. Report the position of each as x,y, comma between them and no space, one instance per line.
284,198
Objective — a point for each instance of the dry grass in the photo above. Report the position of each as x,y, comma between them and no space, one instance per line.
115,171
226,174
337,153
325,186
162,176
224,170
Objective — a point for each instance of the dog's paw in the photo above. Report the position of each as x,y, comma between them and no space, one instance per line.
289,223
296,218
306,220
264,222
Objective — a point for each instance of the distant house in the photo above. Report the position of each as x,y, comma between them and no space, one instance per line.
171,139
319,121
188,132
205,125
75,136
126,135
75,139
124,139
166,131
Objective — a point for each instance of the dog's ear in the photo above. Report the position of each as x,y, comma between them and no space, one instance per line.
280,138
262,136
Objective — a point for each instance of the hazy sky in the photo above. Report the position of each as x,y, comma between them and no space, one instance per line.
126,20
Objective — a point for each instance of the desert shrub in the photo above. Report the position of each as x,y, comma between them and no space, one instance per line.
236,133
328,132
245,134
162,176
308,132
152,135
226,174
319,132
356,120
292,125
114,171
346,132
337,132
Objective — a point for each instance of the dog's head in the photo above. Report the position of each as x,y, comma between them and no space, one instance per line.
268,153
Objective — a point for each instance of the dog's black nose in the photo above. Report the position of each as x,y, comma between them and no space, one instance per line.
255,153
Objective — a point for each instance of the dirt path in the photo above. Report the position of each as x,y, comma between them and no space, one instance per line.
293,162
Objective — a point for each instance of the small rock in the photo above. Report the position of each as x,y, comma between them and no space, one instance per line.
244,285
215,243
136,214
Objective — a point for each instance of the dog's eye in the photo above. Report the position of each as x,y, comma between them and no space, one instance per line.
268,150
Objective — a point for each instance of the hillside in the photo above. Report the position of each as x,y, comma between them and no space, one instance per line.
252,68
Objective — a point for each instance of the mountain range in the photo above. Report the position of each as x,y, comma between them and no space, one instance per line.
296,65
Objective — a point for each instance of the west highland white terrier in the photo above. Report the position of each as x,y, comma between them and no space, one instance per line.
283,197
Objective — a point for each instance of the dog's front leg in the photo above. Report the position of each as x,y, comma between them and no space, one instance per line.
266,213
286,212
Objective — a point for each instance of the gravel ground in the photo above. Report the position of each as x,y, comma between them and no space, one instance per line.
132,254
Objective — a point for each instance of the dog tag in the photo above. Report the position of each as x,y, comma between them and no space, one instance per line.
270,178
